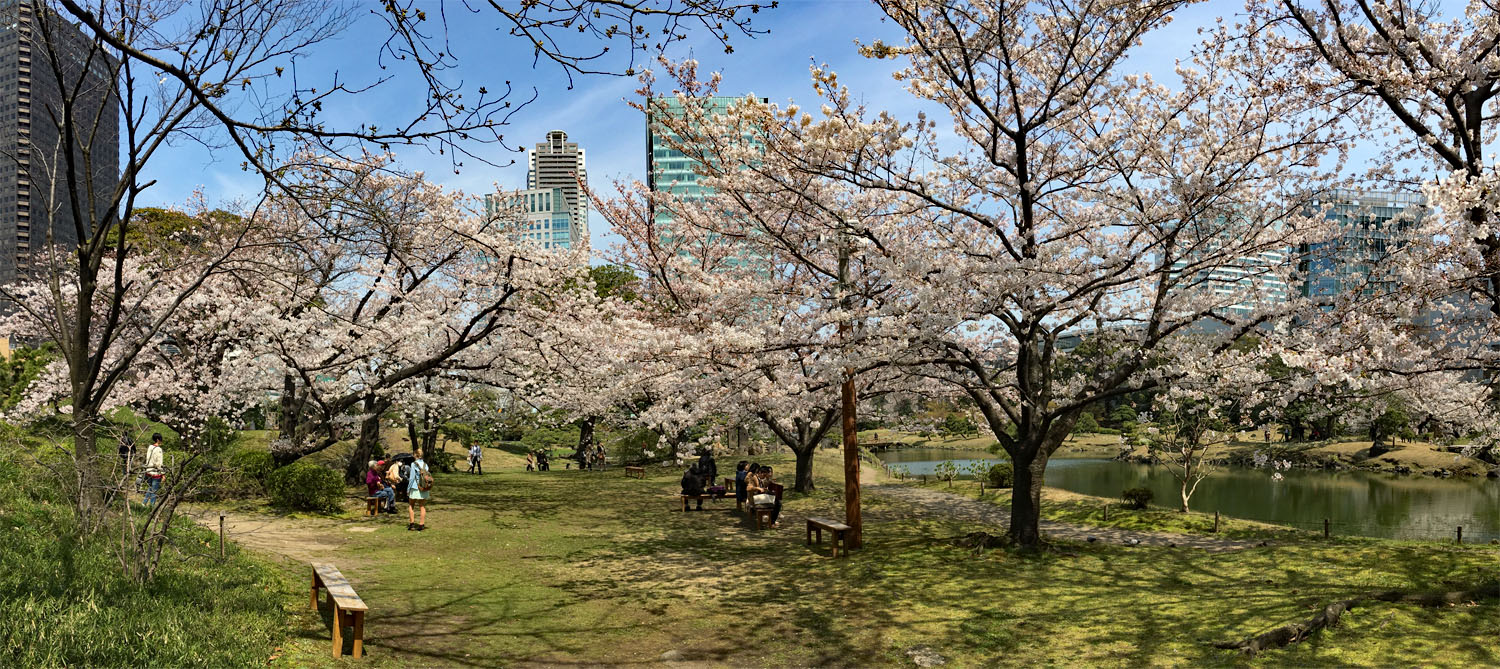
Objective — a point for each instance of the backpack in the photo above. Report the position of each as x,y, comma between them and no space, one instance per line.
425,483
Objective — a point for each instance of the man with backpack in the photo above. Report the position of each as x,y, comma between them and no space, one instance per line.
419,489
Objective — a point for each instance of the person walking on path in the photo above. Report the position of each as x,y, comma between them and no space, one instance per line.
418,489
154,471
476,454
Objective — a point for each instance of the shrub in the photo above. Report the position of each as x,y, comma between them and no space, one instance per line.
249,469
1001,475
1086,424
1138,498
1107,430
442,461
946,471
304,486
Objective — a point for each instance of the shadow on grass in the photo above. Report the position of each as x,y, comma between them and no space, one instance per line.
570,567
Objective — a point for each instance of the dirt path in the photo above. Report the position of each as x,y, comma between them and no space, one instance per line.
940,503
302,540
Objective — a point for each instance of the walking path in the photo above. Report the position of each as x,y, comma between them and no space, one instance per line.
946,504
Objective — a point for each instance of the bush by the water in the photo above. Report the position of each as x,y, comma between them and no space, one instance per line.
1138,498
1001,475
304,486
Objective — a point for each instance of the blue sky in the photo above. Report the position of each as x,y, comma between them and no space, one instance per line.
594,112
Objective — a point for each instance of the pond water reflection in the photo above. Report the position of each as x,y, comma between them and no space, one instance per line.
1356,502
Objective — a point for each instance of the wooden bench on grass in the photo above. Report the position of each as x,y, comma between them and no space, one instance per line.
700,497
760,514
837,529
638,472
348,608
372,506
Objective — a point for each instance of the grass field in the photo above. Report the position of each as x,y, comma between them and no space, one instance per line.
570,567
65,603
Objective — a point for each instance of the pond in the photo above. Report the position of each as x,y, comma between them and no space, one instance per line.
1355,502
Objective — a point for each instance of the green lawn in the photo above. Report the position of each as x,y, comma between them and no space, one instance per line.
581,567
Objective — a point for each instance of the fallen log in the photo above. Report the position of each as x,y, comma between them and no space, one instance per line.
1329,615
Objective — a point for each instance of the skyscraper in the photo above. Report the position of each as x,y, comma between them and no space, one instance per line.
667,169
1370,223
35,198
558,164
544,216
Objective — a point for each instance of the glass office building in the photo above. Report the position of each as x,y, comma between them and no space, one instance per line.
541,215
559,164
669,170
1370,225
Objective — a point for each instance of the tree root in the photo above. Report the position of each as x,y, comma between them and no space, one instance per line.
1329,615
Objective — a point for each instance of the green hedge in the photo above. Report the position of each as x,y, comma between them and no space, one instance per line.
304,486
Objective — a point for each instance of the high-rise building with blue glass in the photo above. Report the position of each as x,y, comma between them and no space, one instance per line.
557,165
1370,224
669,170
541,215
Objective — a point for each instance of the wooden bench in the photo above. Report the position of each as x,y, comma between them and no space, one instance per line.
638,472
839,530
347,606
372,506
760,514
708,496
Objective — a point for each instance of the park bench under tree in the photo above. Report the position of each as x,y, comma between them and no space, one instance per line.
839,531
760,514
348,608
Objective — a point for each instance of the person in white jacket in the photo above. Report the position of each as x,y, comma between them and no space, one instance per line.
154,470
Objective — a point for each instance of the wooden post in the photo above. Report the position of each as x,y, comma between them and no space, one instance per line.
1460,534
1106,513
1216,521
847,408
221,536
1326,532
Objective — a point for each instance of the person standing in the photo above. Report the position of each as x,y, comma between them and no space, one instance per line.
418,476
476,454
154,471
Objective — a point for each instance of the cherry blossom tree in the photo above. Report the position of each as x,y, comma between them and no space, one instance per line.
385,282
1071,201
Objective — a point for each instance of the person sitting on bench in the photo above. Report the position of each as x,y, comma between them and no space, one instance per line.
741,472
375,483
692,484
761,493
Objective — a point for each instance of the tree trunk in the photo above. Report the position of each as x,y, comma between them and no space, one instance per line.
368,445
288,420
90,497
585,439
1184,508
1026,499
805,467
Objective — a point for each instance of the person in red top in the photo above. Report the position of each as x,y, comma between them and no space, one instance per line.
375,483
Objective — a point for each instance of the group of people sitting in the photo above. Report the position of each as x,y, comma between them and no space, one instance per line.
381,479
538,461
753,483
